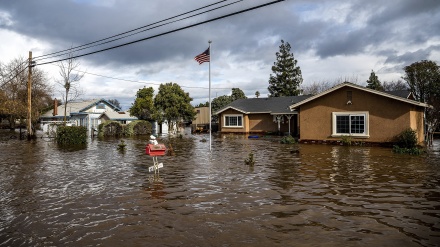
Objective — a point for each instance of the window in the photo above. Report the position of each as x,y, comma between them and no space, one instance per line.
350,123
100,106
233,121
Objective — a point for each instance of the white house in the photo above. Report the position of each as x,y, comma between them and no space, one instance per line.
84,113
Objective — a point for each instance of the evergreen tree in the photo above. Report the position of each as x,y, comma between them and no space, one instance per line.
287,76
373,82
257,94
237,93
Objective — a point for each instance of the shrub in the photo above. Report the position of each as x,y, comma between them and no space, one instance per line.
110,128
71,135
288,140
138,127
121,145
406,143
407,139
250,160
346,140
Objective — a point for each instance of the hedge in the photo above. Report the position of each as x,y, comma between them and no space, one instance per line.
71,135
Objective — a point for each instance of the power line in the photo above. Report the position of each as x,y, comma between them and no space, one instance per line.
68,51
16,74
142,82
170,18
86,46
168,32
13,70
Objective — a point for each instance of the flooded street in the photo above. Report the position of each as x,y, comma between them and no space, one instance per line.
320,196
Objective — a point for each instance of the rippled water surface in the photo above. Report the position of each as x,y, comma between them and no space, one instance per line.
320,196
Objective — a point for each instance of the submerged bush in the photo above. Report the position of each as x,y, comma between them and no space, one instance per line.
288,140
346,140
250,159
406,143
138,127
110,128
406,139
71,135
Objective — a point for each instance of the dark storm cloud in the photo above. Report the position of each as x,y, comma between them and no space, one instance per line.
364,28
66,23
410,57
385,23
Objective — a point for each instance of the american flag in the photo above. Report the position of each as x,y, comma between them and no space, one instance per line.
203,57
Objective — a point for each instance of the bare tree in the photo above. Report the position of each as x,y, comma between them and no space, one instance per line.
70,80
318,87
395,85
13,97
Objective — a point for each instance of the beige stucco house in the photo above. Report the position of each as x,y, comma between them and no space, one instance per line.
260,115
363,114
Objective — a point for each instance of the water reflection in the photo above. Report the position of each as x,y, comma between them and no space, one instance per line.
318,195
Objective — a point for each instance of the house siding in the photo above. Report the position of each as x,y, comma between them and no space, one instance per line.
417,115
202,115
387,117
261,123
242,129
257,123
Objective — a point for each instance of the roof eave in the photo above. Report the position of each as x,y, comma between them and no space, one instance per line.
409,101
230,107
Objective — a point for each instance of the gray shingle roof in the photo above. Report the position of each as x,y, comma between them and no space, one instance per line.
76,107
272,105
113,115
401,93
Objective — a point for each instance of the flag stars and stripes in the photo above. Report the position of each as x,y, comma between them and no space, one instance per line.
203,57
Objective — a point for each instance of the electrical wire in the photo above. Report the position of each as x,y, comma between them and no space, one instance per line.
13,71
147,38
142,82
16,74
113,36
165,33
69,51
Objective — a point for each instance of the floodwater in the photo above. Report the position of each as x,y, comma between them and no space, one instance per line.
321,195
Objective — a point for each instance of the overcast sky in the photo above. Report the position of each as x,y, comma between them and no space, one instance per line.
331,39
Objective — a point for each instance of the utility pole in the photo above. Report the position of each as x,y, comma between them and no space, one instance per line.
30,133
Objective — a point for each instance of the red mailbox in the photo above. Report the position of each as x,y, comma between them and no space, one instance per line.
155,150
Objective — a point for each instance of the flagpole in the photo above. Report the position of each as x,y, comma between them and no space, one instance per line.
210,118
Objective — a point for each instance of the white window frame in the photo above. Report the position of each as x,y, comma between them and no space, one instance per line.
365,114
233,115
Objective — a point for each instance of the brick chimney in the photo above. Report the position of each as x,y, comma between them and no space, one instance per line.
55,107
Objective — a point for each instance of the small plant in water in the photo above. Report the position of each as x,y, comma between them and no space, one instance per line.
346,140
250,161
122,145
288,140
